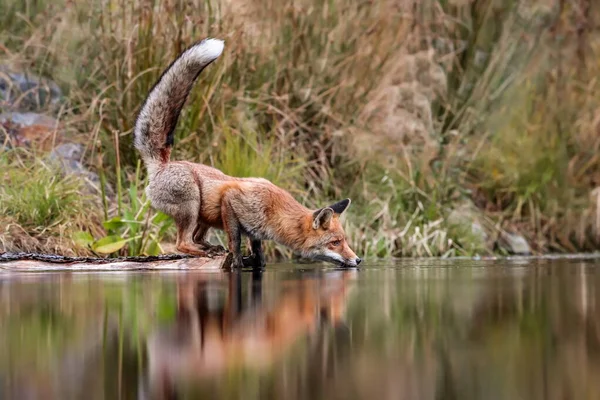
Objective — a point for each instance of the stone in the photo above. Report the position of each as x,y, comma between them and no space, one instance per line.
514,243
29,119
39,131
466,214
68,157
28,129
27,92
399,113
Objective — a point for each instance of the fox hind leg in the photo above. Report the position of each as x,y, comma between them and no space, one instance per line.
185,220
200,240
175,191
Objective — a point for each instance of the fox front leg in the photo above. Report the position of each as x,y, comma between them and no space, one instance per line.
257,258
234,235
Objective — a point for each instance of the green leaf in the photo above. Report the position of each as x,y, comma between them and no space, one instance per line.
83,239
160,217
133,196
164,227
129,216
113,223
152,249
110,244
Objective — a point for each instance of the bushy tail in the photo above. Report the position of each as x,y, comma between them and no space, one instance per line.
157,119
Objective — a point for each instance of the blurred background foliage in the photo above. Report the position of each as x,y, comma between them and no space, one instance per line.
450,123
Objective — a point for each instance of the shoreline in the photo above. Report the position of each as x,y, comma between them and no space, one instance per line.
40,263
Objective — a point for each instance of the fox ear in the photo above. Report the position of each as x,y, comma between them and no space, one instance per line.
322,218
340,206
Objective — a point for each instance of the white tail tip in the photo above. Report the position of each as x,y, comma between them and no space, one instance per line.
211,48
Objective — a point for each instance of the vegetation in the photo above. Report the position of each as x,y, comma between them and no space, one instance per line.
38,214
410,109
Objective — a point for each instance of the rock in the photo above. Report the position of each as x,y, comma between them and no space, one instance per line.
466,214
23,91
29,119
421,69
68,156
514,243
68,152
29,130
41,132
480,58
536,14
399,113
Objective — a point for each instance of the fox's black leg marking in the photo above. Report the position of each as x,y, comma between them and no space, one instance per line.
235,244
234,234
257,259
200,233
200,239
257,251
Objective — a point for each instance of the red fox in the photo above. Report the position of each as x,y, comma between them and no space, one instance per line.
199,197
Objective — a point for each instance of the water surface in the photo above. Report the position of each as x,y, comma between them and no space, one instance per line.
408,330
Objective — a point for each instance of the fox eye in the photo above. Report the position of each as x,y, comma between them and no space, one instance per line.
336,242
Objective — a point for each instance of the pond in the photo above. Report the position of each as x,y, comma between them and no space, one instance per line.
430,329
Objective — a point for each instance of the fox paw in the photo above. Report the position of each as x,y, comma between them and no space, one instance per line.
236,263
228,263
253,261
216,250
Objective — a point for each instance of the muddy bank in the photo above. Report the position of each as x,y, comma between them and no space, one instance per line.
34,262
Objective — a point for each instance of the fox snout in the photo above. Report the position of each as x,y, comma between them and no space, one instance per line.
355,262
347,262
338,254
349,257
351,260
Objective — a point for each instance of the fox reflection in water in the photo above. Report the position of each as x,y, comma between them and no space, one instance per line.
219,328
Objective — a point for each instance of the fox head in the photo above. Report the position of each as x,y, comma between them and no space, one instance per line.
326,239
